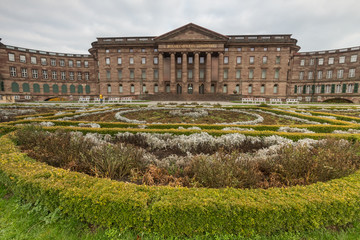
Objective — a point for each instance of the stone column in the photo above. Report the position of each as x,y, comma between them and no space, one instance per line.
161,72
221,67
208,73
184,69
172,73
196,67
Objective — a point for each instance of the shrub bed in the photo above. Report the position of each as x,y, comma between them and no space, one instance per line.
180,211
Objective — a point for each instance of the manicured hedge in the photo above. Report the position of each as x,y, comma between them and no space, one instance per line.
180,211
339,117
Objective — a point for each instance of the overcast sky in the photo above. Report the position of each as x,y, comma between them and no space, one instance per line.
70,26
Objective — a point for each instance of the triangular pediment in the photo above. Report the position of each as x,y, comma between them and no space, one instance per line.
191,32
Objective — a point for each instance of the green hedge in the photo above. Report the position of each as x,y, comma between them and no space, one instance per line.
180,211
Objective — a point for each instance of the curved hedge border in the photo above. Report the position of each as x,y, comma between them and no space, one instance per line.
180,211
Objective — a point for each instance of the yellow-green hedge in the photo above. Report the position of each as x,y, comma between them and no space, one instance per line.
180,211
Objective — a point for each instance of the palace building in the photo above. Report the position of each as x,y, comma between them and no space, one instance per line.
188,63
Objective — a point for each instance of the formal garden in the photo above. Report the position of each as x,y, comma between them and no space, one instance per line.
186,170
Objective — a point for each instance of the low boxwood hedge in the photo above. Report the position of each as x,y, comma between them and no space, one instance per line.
180,211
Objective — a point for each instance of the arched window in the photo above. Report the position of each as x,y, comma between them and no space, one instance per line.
46,88
156,88
276,88
237,88
178,89
14,87
262,88
80,89
109,88
120,88
36,88
132,88
87,89
201,89
212,88
55,88
167,88
225,88
2,86
72,88
250,88
190,88
63,88
144,88
26,87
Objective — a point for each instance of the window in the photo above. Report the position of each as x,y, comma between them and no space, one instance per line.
331,61
226,49
131,60
33,60
263,73
353,58
43,61
190,60
308,89
251,73
55,88
329,74
351,72
167,88
318,89
321,61
319,75
225,88
252,60
276,87
143,60
107,61
265,49
36,88
54,75
87,76
262,88
156,60
226,60
277,73
35,73
131,50
237,88
24,72
71,75
71,63
202,60
78,63
264,59
301,75
143,50
178,74
178,60
202,90
250,88
342,59
120,88
144,88
310,75
132,88
132,75
63,88
45,74
108,74
120,74
72,89
278,49
190,73
107,50
13,71
156,74
340,73
338,88
156,88
238,60
62,75
190,88
15,87
119,60
143,73
327,88
238,74
80,89
349,88
239,49
201,73
252,49
302,62
22,58
299,89
62,62
52,62
226,74
108,88
312,61
156,50
277,60
11,57
86,64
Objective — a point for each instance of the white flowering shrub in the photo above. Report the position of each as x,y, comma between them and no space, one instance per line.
294,129
89,125
47,124
193,113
